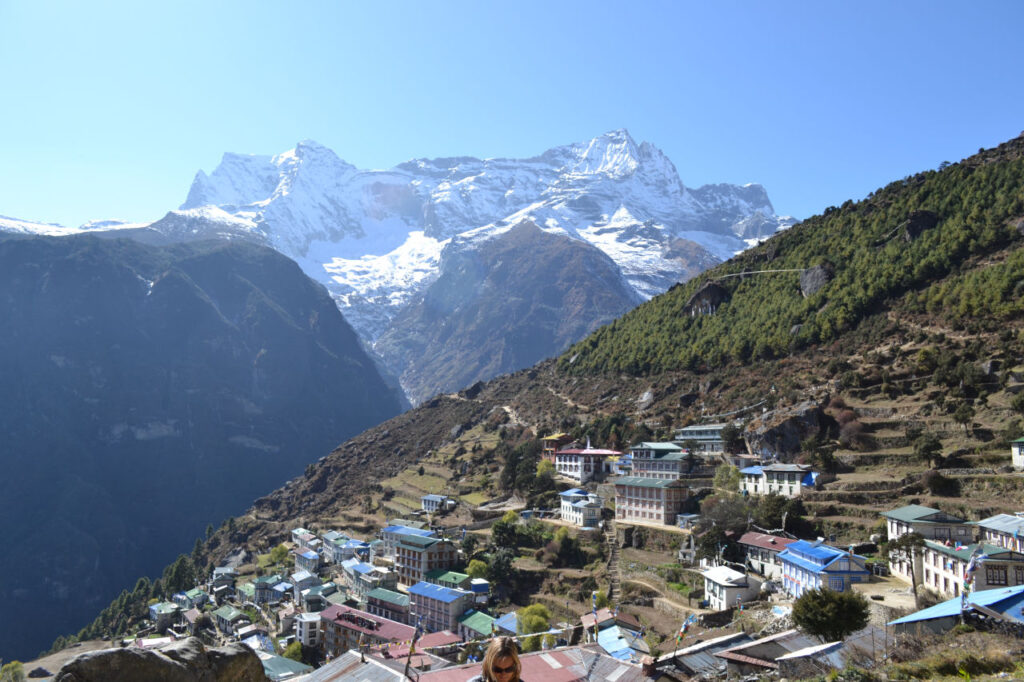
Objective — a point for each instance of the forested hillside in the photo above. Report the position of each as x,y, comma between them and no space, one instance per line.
901,239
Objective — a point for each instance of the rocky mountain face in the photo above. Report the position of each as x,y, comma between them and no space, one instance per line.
145,393
379,240
495,308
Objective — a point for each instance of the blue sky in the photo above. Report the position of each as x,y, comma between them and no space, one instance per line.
107,109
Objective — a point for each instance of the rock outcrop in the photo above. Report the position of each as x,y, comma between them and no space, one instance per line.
779,432
706,299
184,661
813,279
917,222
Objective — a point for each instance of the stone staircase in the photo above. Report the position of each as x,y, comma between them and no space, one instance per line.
614,574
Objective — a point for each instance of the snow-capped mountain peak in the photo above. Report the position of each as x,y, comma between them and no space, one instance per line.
613,154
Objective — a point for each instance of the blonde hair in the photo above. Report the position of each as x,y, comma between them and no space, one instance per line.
501,647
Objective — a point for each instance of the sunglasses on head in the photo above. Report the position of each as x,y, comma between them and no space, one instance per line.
499,670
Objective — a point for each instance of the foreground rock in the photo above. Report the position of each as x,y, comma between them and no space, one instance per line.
184,661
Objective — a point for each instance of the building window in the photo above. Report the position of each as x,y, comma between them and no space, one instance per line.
1018,575
995,575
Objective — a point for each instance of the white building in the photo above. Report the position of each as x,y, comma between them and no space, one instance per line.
788,480
433,503
582,464
763,552
1017,453
726,588
307,628
581,508
1005,530
708,437
946,568
931,524
665,461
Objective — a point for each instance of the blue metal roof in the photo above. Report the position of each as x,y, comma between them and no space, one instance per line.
755,471
406,530
438,592
619,642
362,568
309,555
433,498
1004,523
827,555
574,492
1006,600
509,622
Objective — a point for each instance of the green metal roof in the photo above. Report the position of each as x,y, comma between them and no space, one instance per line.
164,607
417,541
194,593
915,513
965,553
247,588
644,482
478,621
440,575
228,613
662,447
389,596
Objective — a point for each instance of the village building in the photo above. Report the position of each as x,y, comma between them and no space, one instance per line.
931,524
788,480
446,578
763,551
582,464
307,629
1005,530
551,444
303,580
191,598
307,560
389,604
246,593
1004,604
580,508
946,568
164,614
263,589
1017,454
437,607
706,437
727,588
475,624
812,565
416,556
433,503
345,628
665,461
391,535
228,618
649,500
362,578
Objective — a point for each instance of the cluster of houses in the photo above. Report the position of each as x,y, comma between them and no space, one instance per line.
402,589
652,479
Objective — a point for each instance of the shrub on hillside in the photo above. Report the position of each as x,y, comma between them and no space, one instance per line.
940,485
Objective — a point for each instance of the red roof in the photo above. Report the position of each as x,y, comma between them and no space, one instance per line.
588,451
427,641
361,621
765,541
750,660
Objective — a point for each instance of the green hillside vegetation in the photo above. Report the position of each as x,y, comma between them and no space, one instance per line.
976,203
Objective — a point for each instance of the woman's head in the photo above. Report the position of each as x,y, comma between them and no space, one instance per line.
501,662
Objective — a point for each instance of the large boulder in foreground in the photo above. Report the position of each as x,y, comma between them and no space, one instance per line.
184,661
